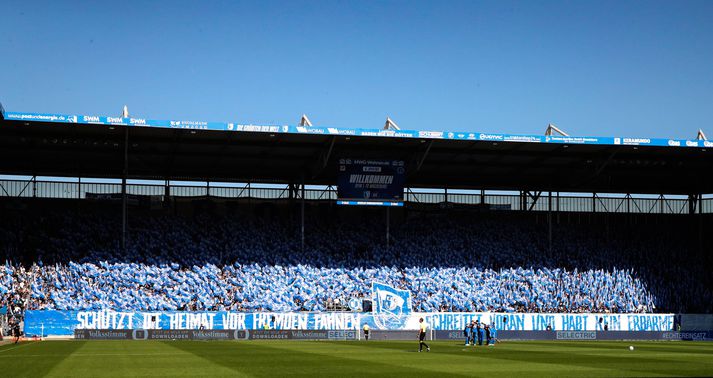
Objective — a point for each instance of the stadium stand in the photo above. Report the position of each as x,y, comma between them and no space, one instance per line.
451,260
459,253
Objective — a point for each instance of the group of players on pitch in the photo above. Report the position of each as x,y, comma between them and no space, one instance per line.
472,332
479,331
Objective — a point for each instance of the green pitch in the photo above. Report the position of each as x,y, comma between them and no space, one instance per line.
343,359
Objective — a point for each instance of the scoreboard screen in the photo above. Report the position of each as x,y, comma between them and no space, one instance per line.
371,182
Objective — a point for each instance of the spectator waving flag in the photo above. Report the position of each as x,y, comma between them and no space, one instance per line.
389,305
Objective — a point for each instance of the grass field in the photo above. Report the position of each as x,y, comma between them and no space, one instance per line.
343,358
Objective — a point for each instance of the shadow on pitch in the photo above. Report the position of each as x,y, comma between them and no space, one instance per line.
302,359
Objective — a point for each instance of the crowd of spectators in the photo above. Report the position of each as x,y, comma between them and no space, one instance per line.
255,287
14,294
449,263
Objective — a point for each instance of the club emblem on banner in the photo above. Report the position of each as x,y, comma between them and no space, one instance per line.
391,306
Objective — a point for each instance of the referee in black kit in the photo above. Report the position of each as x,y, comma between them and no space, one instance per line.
422,336
16,331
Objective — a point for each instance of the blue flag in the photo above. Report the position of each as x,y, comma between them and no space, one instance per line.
389,305
388,299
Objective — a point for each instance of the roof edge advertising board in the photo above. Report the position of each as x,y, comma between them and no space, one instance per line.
334,131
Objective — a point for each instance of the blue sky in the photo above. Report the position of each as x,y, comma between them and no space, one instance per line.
624,68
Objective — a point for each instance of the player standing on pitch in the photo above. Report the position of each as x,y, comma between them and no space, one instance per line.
493,335
366,332
16,331
478,332
466,333
422,336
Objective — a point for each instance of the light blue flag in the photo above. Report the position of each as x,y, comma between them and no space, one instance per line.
389,305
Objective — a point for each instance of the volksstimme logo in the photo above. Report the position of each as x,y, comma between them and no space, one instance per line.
212,335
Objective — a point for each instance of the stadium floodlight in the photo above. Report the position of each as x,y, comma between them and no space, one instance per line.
125,112
554,129
304,121
700,135
391,125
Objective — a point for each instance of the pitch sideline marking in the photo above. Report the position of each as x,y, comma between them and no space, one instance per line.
94,354
17,347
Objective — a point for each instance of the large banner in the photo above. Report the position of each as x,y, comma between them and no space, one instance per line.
371,180
55,322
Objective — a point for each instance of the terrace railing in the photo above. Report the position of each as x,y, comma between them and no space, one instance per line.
543,201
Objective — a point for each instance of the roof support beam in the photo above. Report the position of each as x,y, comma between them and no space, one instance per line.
423,156
327,155
534,197
598,170
391,125
323,158
304,121
552,129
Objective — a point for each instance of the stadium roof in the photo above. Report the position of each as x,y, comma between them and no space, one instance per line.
93,146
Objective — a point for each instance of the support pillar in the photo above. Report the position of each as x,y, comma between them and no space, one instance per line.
166,193
302,221
692,203
549,220
166,189
558,207
388,226
125,173
594,202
